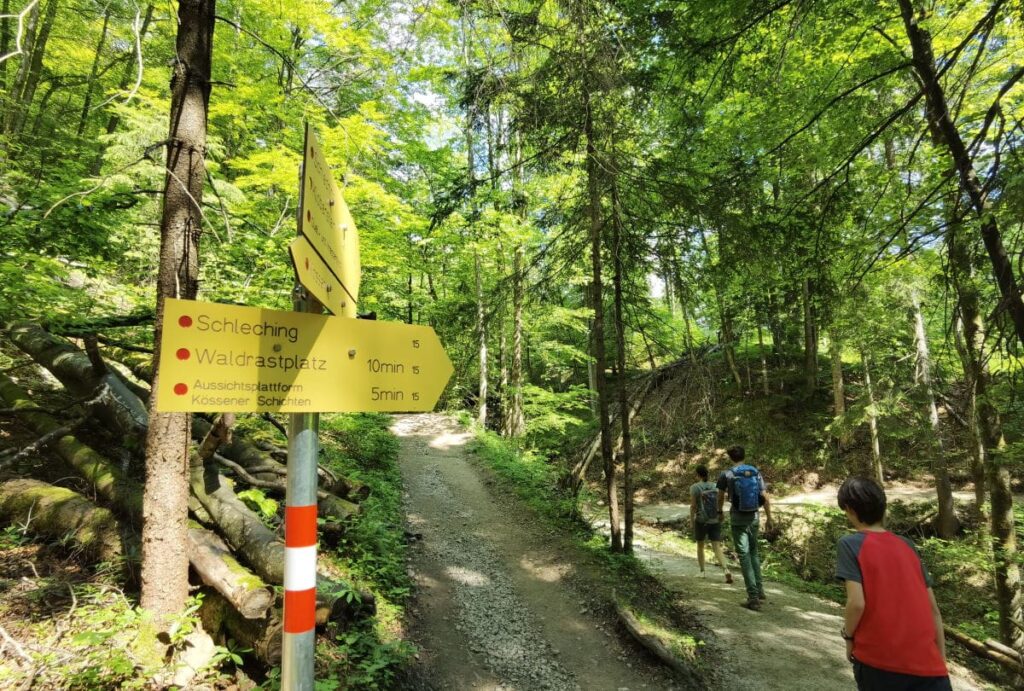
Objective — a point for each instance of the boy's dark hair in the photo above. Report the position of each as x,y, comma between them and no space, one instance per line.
736,453
702,472
864,497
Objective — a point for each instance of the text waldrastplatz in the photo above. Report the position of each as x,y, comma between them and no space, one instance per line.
225,358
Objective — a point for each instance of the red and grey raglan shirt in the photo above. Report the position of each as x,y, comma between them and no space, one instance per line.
897,631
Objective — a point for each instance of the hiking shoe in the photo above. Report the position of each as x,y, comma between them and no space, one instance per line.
752,604
763,598
728,578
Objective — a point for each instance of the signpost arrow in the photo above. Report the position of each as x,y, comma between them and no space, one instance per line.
325,221
249,359
319,280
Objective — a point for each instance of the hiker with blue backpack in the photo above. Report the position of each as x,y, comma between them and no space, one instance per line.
746,491
704,517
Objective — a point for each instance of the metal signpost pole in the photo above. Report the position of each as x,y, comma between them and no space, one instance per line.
299,643
298,646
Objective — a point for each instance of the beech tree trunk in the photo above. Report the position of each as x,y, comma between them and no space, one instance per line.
947,523
764,359
875,469
165,497
835,350
219,569
810,340
91,83
942,120
118,407
971,351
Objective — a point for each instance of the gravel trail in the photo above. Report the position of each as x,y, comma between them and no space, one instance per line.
495,604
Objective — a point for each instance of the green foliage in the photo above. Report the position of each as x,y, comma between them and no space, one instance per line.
259,502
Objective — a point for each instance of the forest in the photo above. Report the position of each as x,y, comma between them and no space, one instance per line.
644,232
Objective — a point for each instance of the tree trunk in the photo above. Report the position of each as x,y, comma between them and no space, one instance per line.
942,120
262,637
723,314
810,341
5,41
56,512
1004,538
261,548
126,78
16,106
875,469
764,359
516,426
597,333
481,329
516,418
971,351
835,350
165,497
91,83
946,523
620,358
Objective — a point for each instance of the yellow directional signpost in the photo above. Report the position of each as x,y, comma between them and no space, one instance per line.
224,358
318,279
325,221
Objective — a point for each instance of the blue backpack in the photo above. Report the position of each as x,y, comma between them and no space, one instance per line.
746,487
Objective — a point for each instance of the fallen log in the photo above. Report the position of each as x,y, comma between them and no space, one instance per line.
108,482
651,641
262,637
119,408
55,512
328,504
263,549
981,649
106,479
139,364
244,531
217,568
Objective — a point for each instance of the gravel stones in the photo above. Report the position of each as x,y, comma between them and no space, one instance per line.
489,613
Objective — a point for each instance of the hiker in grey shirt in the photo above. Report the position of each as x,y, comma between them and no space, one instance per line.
704,517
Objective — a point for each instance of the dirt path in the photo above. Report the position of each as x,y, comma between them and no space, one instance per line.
498,603
793,644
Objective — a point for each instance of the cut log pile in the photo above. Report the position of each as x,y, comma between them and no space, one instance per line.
234,555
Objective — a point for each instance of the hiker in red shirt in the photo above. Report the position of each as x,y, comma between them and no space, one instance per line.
893,628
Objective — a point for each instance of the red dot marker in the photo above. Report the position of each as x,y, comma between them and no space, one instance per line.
181,389
185,321
183,354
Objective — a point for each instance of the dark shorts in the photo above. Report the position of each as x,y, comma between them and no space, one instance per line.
707,531
874,679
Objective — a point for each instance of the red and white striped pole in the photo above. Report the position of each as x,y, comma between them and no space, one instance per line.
299,643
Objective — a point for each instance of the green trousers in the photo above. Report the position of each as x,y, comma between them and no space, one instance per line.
744,539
